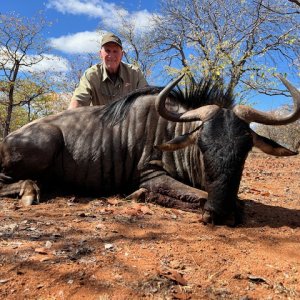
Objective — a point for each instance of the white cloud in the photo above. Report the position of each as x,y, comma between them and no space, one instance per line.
92,8
81,42
109,13
142,20
35,63
50,63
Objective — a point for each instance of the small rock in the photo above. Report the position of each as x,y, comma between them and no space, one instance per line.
100,226
4,280
32,228
109,246
256,279
48,244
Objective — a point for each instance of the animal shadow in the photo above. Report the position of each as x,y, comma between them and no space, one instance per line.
257,214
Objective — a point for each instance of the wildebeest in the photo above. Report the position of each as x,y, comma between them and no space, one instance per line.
153,140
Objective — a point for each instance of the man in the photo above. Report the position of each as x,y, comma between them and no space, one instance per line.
109,80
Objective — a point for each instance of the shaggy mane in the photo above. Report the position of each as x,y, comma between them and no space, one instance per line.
193,96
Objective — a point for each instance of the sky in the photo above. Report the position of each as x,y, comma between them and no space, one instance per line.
75,22
75,25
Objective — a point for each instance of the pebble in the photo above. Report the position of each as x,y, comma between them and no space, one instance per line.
4,280
48,244
108,246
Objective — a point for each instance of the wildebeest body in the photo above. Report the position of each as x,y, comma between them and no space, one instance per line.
151,141
77,148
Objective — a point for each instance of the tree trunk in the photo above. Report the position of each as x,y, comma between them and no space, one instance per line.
10,103
8,113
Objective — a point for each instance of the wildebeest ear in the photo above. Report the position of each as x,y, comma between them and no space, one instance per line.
269,146
179,142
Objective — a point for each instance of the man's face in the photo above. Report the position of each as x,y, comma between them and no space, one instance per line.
111,54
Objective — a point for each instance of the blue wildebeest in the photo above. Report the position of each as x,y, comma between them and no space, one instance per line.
186,154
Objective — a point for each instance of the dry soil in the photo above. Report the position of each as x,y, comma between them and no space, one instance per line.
97,248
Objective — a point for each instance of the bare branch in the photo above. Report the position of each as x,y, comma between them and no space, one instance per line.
297,2
19,37
228,40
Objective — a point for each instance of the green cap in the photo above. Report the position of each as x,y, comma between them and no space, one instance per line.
111,38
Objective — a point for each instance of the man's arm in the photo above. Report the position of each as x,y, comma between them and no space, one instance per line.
74,104
142,82
82,94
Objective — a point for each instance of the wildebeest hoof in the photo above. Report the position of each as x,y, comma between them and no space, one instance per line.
210,217
27,200
29,193
138,195
207,217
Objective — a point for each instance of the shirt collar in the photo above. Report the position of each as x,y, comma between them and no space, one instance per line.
105,74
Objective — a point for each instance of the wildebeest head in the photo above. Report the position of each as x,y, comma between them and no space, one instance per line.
225,139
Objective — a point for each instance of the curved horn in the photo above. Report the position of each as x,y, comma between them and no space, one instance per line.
203,113
249,114
161,101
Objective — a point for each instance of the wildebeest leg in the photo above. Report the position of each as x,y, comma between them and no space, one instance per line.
138,194
144,195
233,219
175,192
26,189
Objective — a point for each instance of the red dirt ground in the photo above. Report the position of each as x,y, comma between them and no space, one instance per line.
78,248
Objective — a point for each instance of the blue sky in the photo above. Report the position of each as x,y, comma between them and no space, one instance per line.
75,23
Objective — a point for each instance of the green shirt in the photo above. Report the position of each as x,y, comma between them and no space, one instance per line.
97,88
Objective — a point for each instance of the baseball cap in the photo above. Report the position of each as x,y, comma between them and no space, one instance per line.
111,38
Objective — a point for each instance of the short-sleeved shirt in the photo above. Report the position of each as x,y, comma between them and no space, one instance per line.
97,88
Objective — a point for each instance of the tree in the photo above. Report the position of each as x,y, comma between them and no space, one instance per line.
25,109
49,104
238,42
77,66
21,48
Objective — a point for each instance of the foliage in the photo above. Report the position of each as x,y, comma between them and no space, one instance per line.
77,65
25,111
19,118
49,104
21,47
239,42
